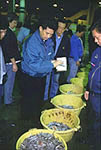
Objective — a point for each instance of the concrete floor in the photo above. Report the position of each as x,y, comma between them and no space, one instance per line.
12,126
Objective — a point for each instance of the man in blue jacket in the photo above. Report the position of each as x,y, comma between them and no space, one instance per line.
38,61
76,52
93,91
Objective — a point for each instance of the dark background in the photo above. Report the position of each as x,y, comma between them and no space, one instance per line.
46,6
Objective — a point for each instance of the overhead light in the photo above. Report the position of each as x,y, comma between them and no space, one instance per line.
37,8
55,5
16,5
62,9
7,2
99,3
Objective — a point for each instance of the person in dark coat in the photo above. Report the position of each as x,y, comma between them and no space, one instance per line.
93,91
12,57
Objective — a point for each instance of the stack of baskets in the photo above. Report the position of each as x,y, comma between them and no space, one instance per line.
82,77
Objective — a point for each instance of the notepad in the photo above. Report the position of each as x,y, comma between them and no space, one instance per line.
62,67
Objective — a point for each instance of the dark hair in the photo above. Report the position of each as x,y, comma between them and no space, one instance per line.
97,26
3,22
12,16
48,22
81,28
62,20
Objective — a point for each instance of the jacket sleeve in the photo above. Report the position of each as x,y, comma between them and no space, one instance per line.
10,43
74,49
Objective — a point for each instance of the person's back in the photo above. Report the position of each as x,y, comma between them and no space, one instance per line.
23,33
24,30
76,52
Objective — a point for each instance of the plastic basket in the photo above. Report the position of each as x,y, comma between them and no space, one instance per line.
79,81
71,89
88,66
74,101
82,75
85,69
37,131
61,116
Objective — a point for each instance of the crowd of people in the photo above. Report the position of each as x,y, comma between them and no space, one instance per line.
39,78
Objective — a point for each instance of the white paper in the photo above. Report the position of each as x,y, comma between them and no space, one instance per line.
63,66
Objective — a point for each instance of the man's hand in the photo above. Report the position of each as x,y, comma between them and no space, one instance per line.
78,63
86,95
57,63
15,68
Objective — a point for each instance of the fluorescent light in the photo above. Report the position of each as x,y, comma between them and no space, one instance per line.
55,5
37,8
16,5
62,9
7,2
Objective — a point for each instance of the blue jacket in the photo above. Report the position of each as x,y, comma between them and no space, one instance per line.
94,82
37,56
76,47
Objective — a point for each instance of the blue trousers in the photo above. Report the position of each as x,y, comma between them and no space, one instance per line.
51,89
9,85
95,100
73,69
1,89
54,84
46,92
